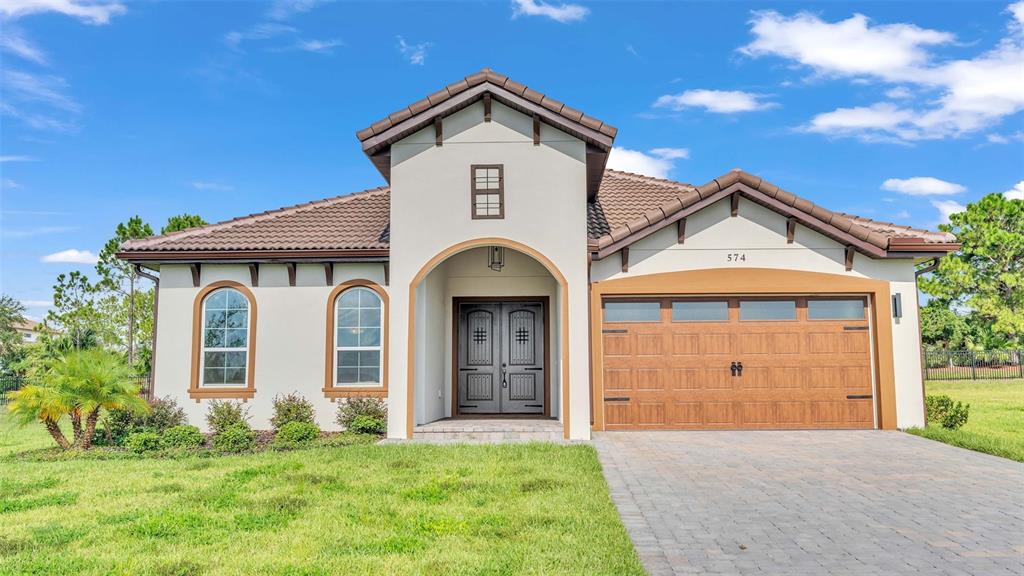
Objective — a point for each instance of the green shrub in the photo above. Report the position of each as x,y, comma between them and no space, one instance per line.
142,442
354,407
948,414
365,424
291,408
295,434
116,425
224,414
235,438
182,437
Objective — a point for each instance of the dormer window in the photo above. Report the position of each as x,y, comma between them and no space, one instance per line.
488,191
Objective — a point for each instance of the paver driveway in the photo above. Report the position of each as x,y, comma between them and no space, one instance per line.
821,502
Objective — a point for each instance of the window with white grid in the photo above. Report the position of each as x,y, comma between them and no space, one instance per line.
488,191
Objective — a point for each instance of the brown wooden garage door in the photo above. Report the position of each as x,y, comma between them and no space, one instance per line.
736,363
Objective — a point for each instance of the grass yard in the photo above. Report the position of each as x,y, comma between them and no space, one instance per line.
996,423
363,509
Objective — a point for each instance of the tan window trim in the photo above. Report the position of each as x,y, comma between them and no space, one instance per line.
195,390
474,192
334,392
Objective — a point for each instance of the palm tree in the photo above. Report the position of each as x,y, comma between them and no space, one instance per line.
79,384
43,403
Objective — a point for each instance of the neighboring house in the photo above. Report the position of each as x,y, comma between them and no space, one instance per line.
505,270
28,330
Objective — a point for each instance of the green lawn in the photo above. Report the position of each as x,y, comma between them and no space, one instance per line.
363,509
996,423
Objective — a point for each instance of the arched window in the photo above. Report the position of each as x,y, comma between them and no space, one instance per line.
225,339
358,338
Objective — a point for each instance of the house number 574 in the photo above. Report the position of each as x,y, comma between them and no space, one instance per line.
736,257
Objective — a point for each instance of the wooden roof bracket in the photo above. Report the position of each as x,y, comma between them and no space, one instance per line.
790,230
438,132
849,258
625,259
681,230
735,203
487,106
536,130
254,274
329,273
387,274
290,266
195,268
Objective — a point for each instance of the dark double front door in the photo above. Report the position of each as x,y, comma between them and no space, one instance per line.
500,358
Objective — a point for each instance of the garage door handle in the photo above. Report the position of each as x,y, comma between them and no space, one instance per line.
858,396
617,399
614,331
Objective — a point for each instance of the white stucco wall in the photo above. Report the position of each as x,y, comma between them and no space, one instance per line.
290,336
545,204
759,235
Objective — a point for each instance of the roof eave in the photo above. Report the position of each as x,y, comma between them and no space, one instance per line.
254,256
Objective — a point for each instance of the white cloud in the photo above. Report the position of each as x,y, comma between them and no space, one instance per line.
717,101
16,158
416,54
262,31
284,9
968,94
850,47
9,184
15,42
922,186
37,303
947,208
657,162
319,46
559,13
997,139
71,256
1015,193
902,215
89,12
39,100
212,186
899,93
671,153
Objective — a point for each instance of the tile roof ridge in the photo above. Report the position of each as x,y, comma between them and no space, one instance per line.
254,217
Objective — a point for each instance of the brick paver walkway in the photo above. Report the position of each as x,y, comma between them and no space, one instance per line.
821,502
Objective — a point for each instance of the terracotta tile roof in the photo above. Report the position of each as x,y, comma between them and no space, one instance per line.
497,79
357,221
628,205
638,206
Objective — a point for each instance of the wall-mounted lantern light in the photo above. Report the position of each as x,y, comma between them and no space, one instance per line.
496,258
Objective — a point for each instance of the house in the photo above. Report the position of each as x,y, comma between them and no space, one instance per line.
28,330
505,270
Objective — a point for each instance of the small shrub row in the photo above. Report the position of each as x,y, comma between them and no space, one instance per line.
942,410
363,415
181,438
116,425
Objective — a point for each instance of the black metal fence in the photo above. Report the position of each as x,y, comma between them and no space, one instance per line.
942,364
12,383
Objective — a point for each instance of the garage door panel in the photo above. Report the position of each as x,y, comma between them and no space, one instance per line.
756,414
650,379
618,379
686,378
685,344
618,345
716,343
675,373
687,413
651,413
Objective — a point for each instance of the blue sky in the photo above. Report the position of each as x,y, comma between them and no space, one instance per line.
894,111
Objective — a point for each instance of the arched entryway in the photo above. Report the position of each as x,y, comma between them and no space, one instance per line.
519,307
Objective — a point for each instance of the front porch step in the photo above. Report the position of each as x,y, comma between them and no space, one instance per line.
488,431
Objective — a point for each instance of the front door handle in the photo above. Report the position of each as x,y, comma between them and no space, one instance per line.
504,381
733,368
739,368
